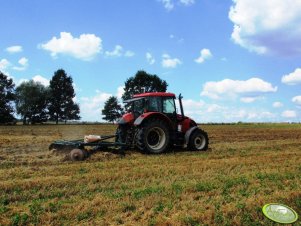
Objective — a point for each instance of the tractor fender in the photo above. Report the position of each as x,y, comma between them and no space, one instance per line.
189,132
126,118
145,116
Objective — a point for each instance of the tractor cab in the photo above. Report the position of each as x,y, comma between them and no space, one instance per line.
159,102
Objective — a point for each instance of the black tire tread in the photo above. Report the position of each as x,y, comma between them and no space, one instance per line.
191,146
140,137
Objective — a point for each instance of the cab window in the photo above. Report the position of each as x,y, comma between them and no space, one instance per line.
169,105
154,104
138,106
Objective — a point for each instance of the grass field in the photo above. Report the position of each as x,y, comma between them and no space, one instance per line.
246,167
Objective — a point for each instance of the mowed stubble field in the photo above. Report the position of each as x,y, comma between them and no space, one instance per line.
246,167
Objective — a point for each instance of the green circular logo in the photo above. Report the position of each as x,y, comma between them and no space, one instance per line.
280,213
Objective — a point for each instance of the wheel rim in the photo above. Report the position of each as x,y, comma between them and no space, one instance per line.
156,138
77,155
200,142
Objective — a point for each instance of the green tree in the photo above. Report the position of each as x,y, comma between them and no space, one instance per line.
31,102
143,82
112,110
61,104
6,98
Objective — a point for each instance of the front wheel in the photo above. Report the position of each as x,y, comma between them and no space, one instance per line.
198,141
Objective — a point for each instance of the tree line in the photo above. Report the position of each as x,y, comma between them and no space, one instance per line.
36,103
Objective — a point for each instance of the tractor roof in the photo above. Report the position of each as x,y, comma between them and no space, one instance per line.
154,94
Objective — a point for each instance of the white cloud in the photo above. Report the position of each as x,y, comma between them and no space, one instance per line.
297,100
277,104
205,54
187,2
120,91
14,49
41,79
170,4
214,108
118,52
23,64
191,106
23,61
267,26
247,115
248,99
150,59
292,78
250,88
206,112
20,81
91,106
85,47
168,62
129,53
4,63
289,114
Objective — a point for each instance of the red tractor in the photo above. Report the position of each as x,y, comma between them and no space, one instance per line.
153,125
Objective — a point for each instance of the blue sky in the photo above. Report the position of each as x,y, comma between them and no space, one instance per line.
232,60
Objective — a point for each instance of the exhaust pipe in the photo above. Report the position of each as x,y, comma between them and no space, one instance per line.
181,106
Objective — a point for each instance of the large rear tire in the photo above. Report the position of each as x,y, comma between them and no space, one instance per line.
153,137
198,141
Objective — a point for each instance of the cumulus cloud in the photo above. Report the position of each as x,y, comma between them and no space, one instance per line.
14,49
41,79
208,112
85,47
91,106
248,115
267,26
169,62
248,89
23,64
289,114
150,59
292,78
277,104
205,54
297,100
118,51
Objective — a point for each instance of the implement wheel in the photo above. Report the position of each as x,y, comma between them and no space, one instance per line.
78,154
